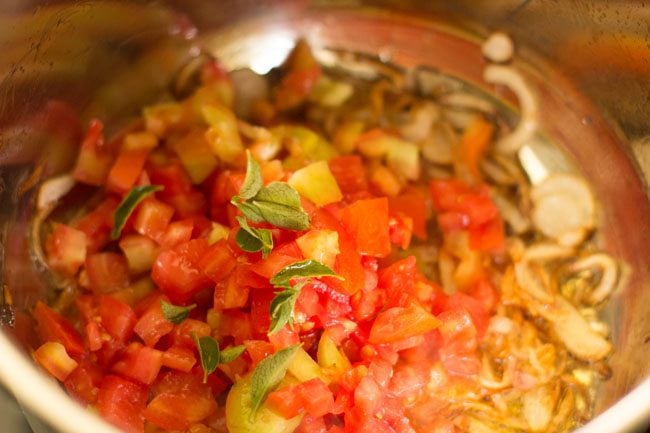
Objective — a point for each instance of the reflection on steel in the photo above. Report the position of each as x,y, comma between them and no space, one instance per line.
7,317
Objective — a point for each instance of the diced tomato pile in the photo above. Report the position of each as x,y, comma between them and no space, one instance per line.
374,332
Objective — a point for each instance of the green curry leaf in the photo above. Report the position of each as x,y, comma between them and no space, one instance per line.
128,204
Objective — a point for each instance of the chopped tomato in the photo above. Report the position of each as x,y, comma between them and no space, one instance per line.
398,323
312,396
172,177
140,363
400,230
177,232
53,358
179,358
94,160
285,337
177,411
286,401
399,281
66,249
140,252
152,325
229,294
84,382
54,327
295,87
367,222
184,333
177,273
152,217
474,144
218,261
260,308
117,318
258,350
488,237
350,173
273,263
126,170
107,272
97,224
122,403
413,205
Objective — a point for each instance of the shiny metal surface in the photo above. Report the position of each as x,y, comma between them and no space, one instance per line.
589,61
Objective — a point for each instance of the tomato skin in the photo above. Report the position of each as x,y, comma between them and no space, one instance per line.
176,271
122,402
260,310
367,222
117,318
54,327
399,323
107,272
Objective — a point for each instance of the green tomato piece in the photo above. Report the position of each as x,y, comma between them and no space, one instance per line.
239,417
316,183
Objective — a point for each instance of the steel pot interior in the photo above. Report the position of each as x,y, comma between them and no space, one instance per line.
66,63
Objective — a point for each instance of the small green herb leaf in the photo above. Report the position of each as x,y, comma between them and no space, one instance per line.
247,241
268,374
253,239
209,354
130,201
304,269
253,180
283,216
279,193
282,309
249,210
175,314
231,353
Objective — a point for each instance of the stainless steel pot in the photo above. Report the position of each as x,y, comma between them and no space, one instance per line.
63,63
